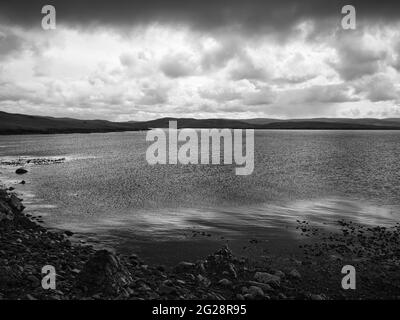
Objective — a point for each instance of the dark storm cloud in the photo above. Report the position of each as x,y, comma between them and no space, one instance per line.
204,14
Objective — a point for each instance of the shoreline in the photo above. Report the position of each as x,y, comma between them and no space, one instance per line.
87,273
288,128
31,124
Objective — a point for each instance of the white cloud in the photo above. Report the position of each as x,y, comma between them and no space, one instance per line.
178,65
154,71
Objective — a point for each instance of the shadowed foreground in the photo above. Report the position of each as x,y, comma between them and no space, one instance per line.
86,273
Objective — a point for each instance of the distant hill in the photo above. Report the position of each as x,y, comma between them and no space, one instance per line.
326,125
311,124
197,123
23,124
360,121
27,124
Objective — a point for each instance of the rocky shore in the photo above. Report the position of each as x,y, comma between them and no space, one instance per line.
86,273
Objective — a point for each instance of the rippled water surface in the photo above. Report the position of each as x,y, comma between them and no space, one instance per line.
106,191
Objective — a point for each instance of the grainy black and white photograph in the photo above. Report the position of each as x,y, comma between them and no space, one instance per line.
199,151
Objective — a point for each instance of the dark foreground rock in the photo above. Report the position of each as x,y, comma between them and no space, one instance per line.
21,171
104,274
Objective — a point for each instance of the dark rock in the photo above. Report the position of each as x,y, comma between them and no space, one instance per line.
22,182
165,289
295,274
161,268
256,292
220,263
104,273
203,280
184,267
34,280
21,171
264,286
267,278
5,211
15,203
69,233
249,296
279,273
317,297
225,282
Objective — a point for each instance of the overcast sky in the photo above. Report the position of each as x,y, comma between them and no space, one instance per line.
130,60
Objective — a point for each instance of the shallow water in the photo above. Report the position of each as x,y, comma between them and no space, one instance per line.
107,192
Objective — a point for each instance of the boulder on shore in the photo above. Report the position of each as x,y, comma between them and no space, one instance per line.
267,278
21,171
15,203
184,267
103,274
5,211
9,205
